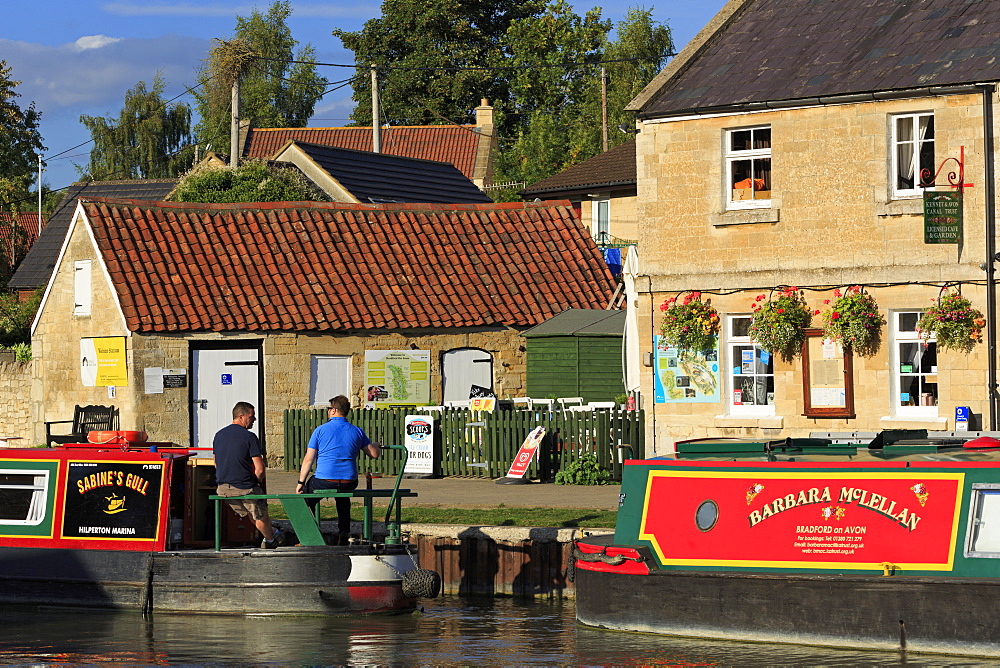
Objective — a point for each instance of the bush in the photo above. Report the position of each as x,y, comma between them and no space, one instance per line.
584,471
251,181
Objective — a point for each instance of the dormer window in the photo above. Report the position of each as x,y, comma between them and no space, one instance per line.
748,167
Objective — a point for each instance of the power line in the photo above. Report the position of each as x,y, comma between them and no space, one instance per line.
476,68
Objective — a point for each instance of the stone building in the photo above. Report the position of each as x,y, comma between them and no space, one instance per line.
175,311
785,146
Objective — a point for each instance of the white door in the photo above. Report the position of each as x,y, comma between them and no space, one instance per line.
463,368
222,377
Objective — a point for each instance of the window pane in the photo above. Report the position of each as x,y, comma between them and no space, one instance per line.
762,177
908,322
904,166
741,140
14,503
926,127
904,128
740,327
926,162
762,138
987,527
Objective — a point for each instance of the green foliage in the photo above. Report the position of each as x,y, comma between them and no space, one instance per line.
855,320
691,324
251,181
148,140
435,33
554,114
16,317
22,351
584,470
273,92
953,323
20,142
621,398
779,325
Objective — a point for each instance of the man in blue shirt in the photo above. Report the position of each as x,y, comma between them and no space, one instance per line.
335,447
239,470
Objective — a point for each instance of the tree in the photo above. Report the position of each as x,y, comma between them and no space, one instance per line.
20,143
150,139
250,181
273,92
433,34
558,109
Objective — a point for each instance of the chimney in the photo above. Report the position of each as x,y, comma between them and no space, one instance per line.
484,115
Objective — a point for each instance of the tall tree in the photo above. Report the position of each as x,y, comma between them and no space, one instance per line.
433,34
557,110
20,142
273,92
149,139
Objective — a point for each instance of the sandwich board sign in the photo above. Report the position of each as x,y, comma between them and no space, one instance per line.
418,434
525,454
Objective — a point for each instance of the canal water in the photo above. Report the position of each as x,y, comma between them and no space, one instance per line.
450,632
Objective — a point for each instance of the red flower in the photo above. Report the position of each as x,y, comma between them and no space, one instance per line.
816,312
834,316
781,310
836,293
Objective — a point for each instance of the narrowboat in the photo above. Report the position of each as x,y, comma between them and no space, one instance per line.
889,544
121,526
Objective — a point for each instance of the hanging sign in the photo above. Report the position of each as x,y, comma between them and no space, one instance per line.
942,218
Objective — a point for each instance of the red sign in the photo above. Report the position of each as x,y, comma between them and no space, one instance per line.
803,520
527,451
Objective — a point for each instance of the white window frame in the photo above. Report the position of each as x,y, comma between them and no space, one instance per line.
82,271
915,144
601,232
984,522
732,156
323,380
734,361
39,498
899,409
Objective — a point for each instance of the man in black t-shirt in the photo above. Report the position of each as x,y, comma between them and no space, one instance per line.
239,470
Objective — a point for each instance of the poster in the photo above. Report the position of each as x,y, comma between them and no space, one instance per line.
832,520
684,376
418,437
397,377
526,453
112,500
102,361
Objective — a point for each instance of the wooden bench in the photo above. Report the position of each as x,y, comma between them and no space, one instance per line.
85,420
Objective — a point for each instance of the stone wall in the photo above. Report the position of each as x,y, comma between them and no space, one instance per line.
831,222
15,403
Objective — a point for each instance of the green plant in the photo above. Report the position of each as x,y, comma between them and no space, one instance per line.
585,470
691,324
621,398
853,319
22,352
778,325
953,323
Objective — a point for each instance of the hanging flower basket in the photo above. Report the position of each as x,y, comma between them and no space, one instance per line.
778,325
854,320
953,323
692,324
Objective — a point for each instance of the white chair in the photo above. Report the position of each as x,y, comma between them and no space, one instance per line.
566,402
542,403
522,402
458,403
601,404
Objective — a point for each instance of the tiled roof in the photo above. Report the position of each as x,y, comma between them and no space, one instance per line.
379,177
771,50
28,223
36,268
310,266
456,144
614,167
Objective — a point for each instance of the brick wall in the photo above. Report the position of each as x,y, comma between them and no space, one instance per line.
15,403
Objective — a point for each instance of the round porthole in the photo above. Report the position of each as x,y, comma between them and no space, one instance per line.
707,515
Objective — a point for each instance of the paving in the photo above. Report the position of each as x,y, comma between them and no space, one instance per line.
460,492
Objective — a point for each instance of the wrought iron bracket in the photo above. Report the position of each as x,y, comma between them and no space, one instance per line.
956,178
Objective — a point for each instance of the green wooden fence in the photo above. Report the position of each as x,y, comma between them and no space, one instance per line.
484,444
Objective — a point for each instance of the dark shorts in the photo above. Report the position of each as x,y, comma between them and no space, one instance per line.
255,508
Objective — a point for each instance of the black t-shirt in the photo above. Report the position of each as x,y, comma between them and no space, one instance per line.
234,448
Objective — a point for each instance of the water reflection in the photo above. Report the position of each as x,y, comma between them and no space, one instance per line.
452,631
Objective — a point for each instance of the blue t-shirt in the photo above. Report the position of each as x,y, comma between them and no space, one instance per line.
337,444
234,448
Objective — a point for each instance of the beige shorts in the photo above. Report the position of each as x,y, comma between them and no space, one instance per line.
255,508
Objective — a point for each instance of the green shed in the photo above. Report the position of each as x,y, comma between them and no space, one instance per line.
577,353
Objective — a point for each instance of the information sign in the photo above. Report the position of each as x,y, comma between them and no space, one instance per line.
942,218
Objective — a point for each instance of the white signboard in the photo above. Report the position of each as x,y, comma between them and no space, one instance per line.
418,437
397,377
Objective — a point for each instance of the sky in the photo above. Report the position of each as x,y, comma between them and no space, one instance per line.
77,57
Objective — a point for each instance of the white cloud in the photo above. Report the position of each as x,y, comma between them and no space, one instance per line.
319,10
94,42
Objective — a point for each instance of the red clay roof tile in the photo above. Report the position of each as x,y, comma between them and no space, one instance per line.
328,266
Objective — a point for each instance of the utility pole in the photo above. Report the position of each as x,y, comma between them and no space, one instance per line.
376,114
604,107
234,127
39,192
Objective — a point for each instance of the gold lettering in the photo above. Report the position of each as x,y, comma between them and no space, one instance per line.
754,517
846,495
